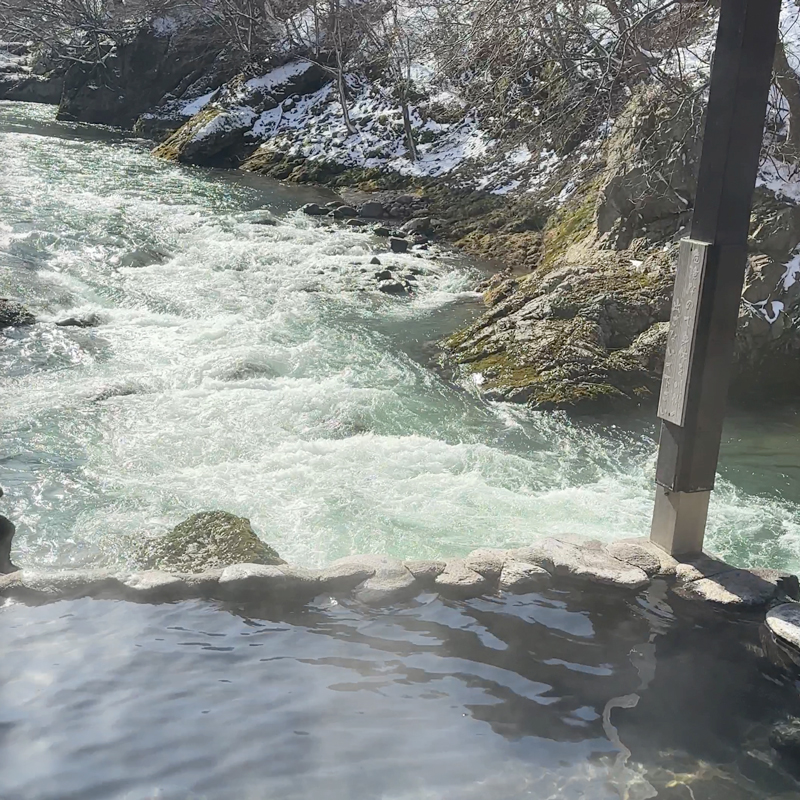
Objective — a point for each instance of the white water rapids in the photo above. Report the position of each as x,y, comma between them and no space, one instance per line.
254,368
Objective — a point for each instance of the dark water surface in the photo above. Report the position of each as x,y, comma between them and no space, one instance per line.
586,694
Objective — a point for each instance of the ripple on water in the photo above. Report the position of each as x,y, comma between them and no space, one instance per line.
589,695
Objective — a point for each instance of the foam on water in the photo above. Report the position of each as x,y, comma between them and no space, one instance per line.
245,361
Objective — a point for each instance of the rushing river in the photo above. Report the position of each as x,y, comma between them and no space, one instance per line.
245,361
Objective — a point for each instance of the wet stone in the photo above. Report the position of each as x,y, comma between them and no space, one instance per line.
375,261
587,561
344,212
486,561
784,622
347,573
644,555
398,245
381,231
392,287
314,210
518,577
457,580
738,588
389,584
425,572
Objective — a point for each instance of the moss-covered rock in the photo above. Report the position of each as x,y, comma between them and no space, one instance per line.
207,540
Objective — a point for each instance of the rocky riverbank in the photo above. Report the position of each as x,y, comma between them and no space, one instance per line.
582,223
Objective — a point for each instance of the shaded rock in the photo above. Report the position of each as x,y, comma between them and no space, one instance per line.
344,212
384,275
518,577
207,540
14,314
67,584
785,739
457,580
371,210
381,231
397,244
356,223
313,210
89,321
135,75
375,260
392,287
578,562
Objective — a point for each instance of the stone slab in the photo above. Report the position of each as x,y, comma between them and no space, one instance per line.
457,580
736,588
518,577
486,561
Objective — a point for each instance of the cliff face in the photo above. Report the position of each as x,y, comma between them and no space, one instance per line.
134,76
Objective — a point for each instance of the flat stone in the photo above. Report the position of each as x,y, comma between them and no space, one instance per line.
518,577
425,572
157,586
347,573
388,585
61,584
584,562
702,566
243,581
486,561
457,580
736,588
784,622
644,555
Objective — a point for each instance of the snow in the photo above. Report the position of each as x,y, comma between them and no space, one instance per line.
792,272
279,75
165,26
782,179
196,106
774,312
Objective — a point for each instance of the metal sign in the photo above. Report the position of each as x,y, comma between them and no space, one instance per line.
682,328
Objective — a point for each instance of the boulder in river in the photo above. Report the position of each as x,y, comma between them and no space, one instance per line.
371,209
398,245
208,540
314,210
14,314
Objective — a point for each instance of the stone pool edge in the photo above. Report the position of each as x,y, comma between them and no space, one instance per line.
374,580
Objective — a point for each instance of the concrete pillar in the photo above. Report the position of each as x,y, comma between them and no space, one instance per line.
710,275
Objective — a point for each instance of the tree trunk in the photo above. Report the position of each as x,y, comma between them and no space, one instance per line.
789,84
412,145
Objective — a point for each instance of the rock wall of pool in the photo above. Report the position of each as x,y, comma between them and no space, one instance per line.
566,669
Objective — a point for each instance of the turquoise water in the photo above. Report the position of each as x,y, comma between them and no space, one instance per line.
245,361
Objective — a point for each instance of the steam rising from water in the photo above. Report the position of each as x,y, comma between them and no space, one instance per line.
244,361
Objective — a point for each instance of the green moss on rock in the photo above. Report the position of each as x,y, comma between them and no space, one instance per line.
207,540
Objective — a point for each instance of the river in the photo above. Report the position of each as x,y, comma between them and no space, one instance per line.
244,360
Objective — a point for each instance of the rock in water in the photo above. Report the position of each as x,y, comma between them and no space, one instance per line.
14,313
208,540
398,245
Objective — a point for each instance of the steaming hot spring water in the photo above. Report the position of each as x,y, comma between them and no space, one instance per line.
244,360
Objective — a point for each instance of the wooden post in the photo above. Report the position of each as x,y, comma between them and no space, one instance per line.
711,268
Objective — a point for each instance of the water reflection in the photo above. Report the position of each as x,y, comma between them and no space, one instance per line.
566,695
